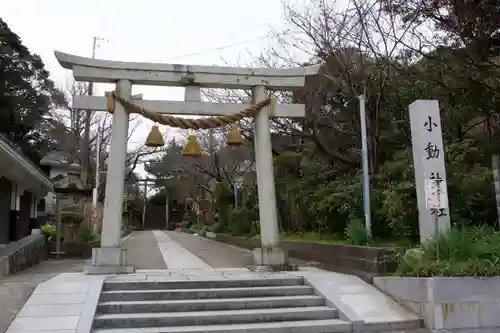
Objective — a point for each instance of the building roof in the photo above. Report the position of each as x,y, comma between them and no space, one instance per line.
17,167
54,158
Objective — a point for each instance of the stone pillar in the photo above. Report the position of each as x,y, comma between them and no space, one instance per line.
15,205
429,165
270,252
110,257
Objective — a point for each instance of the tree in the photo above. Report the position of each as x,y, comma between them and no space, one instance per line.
220,163
26,94
65,130
364,48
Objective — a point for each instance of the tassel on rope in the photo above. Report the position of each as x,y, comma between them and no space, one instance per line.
273,104
110,101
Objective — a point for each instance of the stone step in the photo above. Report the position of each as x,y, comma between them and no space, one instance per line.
306,326
178,294
141,320
210,304
206,284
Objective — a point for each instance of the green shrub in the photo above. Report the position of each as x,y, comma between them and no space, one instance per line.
49,232
355,232
241,223
462,252
218,227
86,236
185,225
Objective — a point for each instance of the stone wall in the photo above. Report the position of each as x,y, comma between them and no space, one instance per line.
74,250
365,262
22,254
448,304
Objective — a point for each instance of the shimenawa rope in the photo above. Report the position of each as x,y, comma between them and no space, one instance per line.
185,123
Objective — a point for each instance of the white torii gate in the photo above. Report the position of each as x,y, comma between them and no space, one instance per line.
110,257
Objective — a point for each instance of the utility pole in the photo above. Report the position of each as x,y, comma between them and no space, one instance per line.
144,203
365,168
95,191
85,146
211,152
85,143
86,131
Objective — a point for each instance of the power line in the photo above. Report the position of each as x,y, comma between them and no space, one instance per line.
224,47
220,48
233,45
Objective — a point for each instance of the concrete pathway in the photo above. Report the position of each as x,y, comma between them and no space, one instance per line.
177,256
143,251
217,254
15,290
63,304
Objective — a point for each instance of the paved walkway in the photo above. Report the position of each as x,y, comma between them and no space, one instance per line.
176,256
217,254
142,251
16,289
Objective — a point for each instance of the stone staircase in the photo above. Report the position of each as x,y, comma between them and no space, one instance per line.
265,305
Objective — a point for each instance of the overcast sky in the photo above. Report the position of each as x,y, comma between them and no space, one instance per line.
201,32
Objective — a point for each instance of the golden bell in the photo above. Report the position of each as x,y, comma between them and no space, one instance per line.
155,139
192,147
234,138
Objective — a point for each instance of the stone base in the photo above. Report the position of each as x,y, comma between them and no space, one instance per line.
448,304
211,235
270,256
109,260
105,270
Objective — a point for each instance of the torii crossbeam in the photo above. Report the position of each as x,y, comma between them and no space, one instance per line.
110,258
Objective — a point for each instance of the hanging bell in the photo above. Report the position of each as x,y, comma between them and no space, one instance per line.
192,147
155,139
234,138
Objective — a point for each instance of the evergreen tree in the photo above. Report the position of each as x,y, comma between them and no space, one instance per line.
26,94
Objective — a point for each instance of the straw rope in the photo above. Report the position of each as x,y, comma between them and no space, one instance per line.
185,123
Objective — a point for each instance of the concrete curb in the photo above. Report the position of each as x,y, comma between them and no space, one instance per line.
227,245
87,317
335,300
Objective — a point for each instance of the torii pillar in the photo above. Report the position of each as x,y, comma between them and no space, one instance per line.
110,258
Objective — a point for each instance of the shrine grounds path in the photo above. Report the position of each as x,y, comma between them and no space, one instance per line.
216,254
142,251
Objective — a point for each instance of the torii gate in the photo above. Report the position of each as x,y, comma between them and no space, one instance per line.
110,257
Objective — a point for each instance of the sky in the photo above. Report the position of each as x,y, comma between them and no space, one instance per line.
196,32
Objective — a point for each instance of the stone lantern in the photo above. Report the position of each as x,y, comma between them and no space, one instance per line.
70,194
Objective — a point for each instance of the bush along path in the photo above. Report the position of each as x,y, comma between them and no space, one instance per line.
473,251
